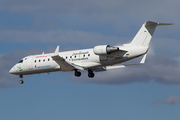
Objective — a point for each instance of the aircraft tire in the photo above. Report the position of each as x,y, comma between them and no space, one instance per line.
91,75
77,74
21,81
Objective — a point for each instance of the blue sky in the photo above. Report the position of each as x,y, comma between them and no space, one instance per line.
150,91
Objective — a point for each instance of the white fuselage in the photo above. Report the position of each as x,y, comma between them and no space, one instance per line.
99,58
43,63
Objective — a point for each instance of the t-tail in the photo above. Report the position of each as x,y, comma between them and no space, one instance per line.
144,35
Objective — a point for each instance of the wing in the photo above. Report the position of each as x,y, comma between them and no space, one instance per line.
64,65
119,66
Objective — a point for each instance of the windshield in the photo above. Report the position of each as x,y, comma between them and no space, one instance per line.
20,61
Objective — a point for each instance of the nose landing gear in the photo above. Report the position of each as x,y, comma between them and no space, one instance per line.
21,81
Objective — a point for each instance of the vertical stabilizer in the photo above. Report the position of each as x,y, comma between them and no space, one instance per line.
145,34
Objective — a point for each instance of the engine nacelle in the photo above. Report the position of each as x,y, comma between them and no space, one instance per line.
104,49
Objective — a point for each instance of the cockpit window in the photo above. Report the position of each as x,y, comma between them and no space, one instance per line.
20,61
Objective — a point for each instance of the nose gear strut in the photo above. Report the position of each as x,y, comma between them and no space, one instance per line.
21,81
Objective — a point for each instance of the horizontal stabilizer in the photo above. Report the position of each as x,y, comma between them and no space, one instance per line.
150,23
161,24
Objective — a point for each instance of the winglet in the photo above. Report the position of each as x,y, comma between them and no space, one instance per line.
57,50
143,59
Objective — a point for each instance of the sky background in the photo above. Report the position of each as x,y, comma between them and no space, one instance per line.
147,92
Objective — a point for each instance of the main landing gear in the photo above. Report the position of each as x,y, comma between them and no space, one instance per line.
90,73
77,73
21,81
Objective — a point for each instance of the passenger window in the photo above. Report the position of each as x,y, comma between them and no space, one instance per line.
66,57
39,60
70,56
35,61
88,54
48,59
75,56
83,55
44,60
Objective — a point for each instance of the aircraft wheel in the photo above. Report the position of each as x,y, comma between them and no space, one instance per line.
21,81
91,75
77,74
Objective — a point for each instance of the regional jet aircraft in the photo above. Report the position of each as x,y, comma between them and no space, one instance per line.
99,58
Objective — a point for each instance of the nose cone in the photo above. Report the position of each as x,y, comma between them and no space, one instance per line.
12,71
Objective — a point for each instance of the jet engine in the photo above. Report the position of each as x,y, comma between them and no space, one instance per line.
104,49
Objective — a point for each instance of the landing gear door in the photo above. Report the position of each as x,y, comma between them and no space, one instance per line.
29,62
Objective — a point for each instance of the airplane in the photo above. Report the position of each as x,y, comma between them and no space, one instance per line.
99,58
